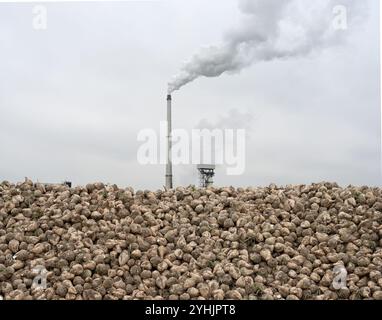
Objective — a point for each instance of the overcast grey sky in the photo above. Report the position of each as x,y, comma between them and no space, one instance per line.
73,97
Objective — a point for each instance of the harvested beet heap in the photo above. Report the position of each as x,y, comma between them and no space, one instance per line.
102,242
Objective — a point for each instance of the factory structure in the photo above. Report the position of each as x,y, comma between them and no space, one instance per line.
206,174
206,171
169,184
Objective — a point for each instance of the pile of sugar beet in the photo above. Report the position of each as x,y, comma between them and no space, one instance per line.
103,242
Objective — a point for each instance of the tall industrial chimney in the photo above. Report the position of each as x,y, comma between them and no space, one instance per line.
169,145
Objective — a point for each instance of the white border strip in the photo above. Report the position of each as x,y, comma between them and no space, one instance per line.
380,69
57,1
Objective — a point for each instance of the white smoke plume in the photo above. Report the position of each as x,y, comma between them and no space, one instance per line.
271,29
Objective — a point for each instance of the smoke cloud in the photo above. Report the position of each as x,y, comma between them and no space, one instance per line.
271,29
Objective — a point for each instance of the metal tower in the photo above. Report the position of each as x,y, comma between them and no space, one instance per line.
206,173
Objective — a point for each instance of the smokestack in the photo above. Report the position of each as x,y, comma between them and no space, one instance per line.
169,145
